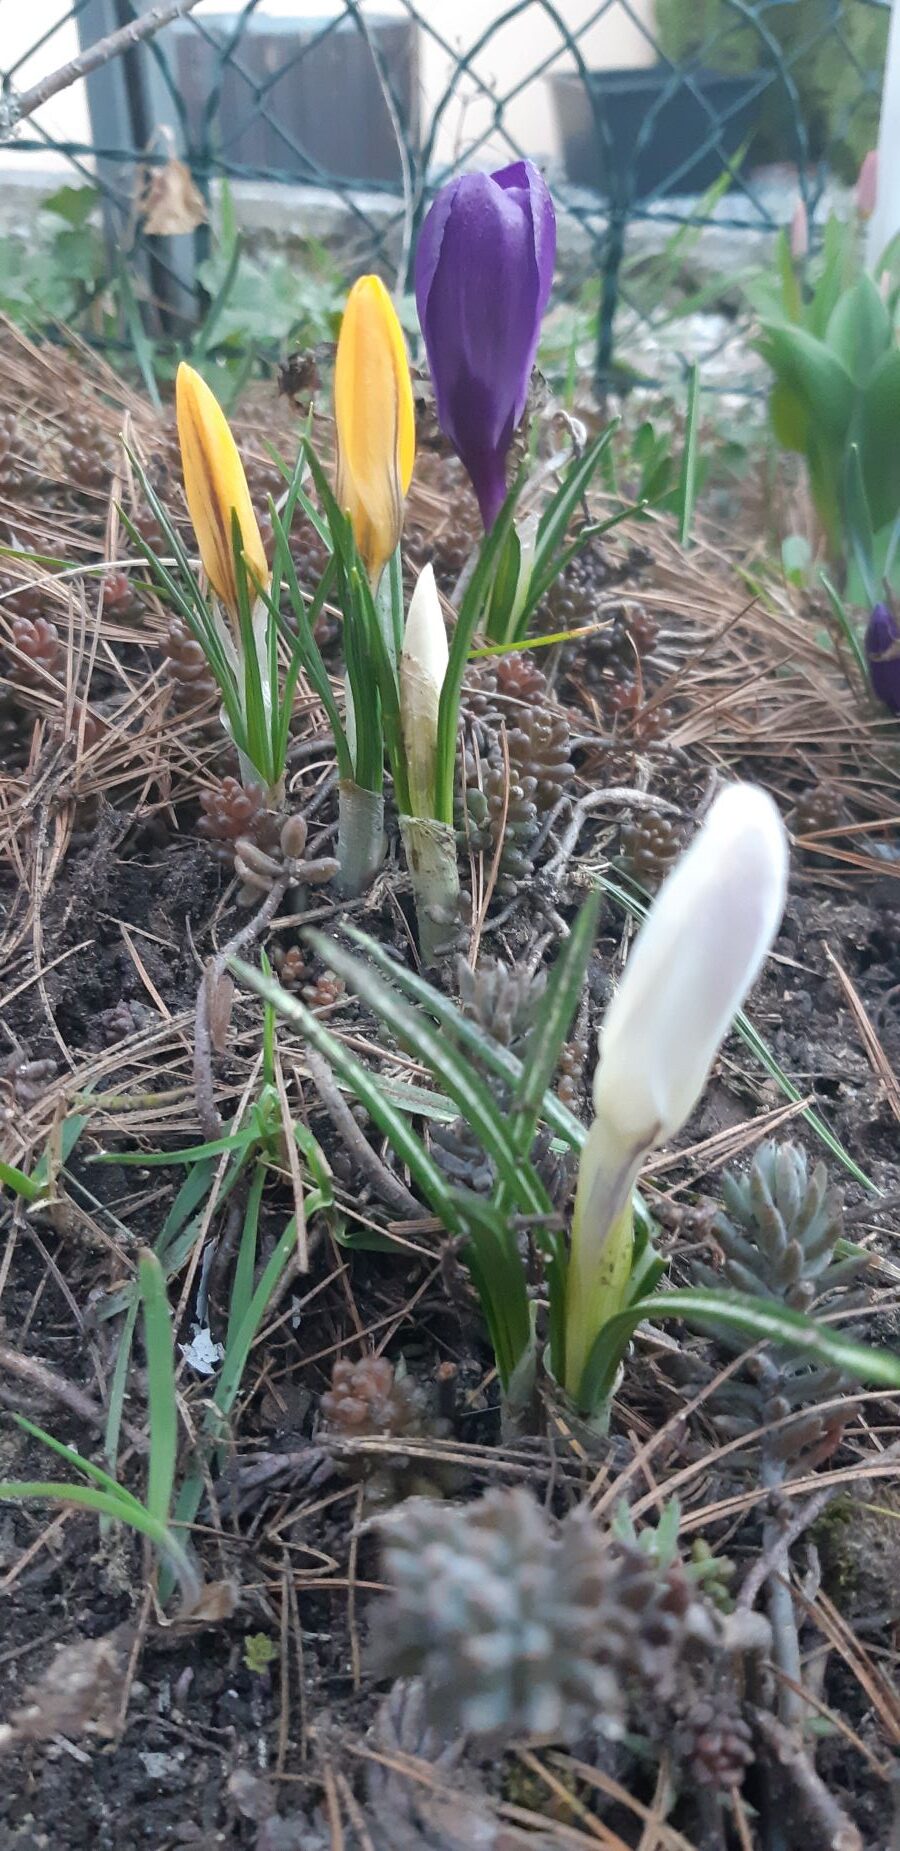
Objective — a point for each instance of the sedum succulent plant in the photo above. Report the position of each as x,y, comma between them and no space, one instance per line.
520,1626
778,1231
779,1228
370,1399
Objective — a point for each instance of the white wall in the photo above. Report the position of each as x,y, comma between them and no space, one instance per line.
22,24
511,53
504,63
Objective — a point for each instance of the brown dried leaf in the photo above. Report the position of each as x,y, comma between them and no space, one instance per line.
217,1602
221,1000
80,1693
172,204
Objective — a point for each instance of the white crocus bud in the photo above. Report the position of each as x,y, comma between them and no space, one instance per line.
694,960
423,665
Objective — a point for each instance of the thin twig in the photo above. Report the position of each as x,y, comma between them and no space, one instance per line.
56,1388
207,1110
819,1807
613,796
17,108
392,1191
771,1561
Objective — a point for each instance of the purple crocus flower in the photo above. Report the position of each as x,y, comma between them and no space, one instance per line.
484,267
883,656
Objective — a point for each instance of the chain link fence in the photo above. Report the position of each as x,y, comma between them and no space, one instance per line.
654,119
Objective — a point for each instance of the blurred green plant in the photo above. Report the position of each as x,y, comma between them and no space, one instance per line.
829,333
60,273
833,50
263,306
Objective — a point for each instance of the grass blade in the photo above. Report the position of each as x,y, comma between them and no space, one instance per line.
86,1467
760,1320
160,1348
687,481
454,1074
552,1024
470,614
27,1187
245,1266
357,1078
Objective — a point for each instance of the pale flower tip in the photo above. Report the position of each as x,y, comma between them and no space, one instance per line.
867,185
425,636
799,232
695,958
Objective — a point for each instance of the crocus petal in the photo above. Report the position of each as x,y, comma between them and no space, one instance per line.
883,655
375,418
694,959
484,266
215,487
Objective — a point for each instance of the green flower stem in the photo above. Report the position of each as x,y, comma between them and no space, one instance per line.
602,1247
360,836
430,849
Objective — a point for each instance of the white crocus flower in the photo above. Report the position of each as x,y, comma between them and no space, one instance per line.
423,665
694,960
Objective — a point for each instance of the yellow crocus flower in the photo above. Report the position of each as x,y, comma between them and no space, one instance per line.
216,487
373,408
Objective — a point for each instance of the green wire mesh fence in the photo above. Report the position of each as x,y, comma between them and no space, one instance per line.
343,117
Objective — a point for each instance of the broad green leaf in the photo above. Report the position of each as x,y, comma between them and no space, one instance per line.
858,522
838,253
878,430
75,204
808,368
859,330
789,417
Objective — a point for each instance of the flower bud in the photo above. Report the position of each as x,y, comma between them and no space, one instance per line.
697,954
883,656
375,417
423,665
216,489
484,267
